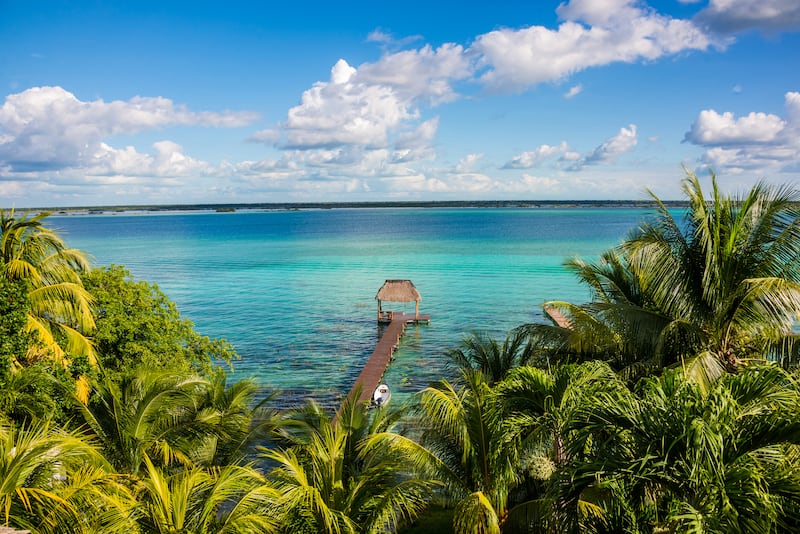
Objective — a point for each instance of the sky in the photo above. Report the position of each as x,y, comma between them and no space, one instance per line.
139,103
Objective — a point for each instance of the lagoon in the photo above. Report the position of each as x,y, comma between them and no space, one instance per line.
294,290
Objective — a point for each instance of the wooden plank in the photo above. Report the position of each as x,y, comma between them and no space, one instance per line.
372,373
558,317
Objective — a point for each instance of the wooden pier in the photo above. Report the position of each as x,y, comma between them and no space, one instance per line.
558,317
372,373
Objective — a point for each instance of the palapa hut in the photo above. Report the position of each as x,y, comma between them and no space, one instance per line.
397,291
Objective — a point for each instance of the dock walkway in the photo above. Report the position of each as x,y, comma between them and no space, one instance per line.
372,373
558,317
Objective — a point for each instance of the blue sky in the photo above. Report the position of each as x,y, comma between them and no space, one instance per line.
108,103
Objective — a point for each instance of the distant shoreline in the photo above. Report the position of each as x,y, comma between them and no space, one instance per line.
296,206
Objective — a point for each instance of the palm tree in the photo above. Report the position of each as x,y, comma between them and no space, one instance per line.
26,394
340,476
731,275
237,424
480,352
56,482
675,457
621,326
713,291
543,410
463,445
225,500
154,413
60,314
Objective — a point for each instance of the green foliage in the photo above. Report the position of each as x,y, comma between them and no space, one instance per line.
152,413
712,291
53,481
31,393
59,314
14,340
39,390
228,500
344,475
463,445
479,352
138,326
435,520
673,456
176,420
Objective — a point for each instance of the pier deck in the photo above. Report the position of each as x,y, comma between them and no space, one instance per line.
372,373
558,317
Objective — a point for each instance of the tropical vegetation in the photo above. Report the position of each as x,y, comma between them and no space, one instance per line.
670,403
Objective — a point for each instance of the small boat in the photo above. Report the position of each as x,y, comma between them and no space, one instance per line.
382,395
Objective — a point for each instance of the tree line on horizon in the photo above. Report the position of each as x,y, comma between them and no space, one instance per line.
668,403
276,206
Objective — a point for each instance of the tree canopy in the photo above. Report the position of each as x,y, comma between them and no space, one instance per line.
137,325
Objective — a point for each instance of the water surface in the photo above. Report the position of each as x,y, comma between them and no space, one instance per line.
294,291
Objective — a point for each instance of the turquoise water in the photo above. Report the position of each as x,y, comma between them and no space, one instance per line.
294,291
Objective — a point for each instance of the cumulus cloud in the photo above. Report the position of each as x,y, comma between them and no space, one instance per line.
468,163
49,128
375,112
608,152
423,75
529,159
167,160
416,145
757,140
594,33
345,111
615,146
371,104
712,128
768,16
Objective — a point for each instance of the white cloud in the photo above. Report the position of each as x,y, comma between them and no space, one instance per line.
373,103
758,141
378,35
468,163
269,135
731,16
594,33
387,40
529,159
48,127
416,145
531,186
608,152
378,107
420,75
574,91
167,161
345,111
711,128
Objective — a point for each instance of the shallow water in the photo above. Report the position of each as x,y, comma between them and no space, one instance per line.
294,291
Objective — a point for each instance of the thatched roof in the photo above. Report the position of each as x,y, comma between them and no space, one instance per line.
398,291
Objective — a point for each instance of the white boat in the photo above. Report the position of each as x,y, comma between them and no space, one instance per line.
382,395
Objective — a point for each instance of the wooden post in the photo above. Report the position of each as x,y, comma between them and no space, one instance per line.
416,310
379,309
